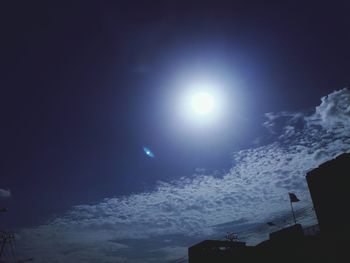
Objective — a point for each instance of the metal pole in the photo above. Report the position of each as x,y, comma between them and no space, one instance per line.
291,205
4,239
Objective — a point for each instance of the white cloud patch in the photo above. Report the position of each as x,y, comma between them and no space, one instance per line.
334,111
251,193
5,193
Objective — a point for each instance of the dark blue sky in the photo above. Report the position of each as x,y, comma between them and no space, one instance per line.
82,87
85,86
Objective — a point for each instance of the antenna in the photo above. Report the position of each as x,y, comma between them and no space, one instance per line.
233,237
7,239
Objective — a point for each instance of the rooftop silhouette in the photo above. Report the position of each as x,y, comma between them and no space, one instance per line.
327,242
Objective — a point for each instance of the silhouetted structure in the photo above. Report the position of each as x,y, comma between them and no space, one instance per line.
312,230
326,243
294,232
329,189
7,239
218,251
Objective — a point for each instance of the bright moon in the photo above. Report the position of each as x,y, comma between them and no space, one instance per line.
202,103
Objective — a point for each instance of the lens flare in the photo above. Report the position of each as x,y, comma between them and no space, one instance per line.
148,152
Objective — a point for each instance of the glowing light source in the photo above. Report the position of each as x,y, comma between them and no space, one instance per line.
148,152
202,103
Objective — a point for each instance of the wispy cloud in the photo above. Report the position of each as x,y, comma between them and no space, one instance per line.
252,192
5,193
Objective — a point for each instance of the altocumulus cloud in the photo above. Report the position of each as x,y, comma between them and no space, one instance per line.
160,224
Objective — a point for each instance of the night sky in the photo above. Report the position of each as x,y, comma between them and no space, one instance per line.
87,86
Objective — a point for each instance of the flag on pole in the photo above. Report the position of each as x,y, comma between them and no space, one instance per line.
293,198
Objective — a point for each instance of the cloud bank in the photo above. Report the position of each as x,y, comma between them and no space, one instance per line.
162,223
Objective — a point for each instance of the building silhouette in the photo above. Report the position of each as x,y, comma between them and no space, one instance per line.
219,251
329,189
327,243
